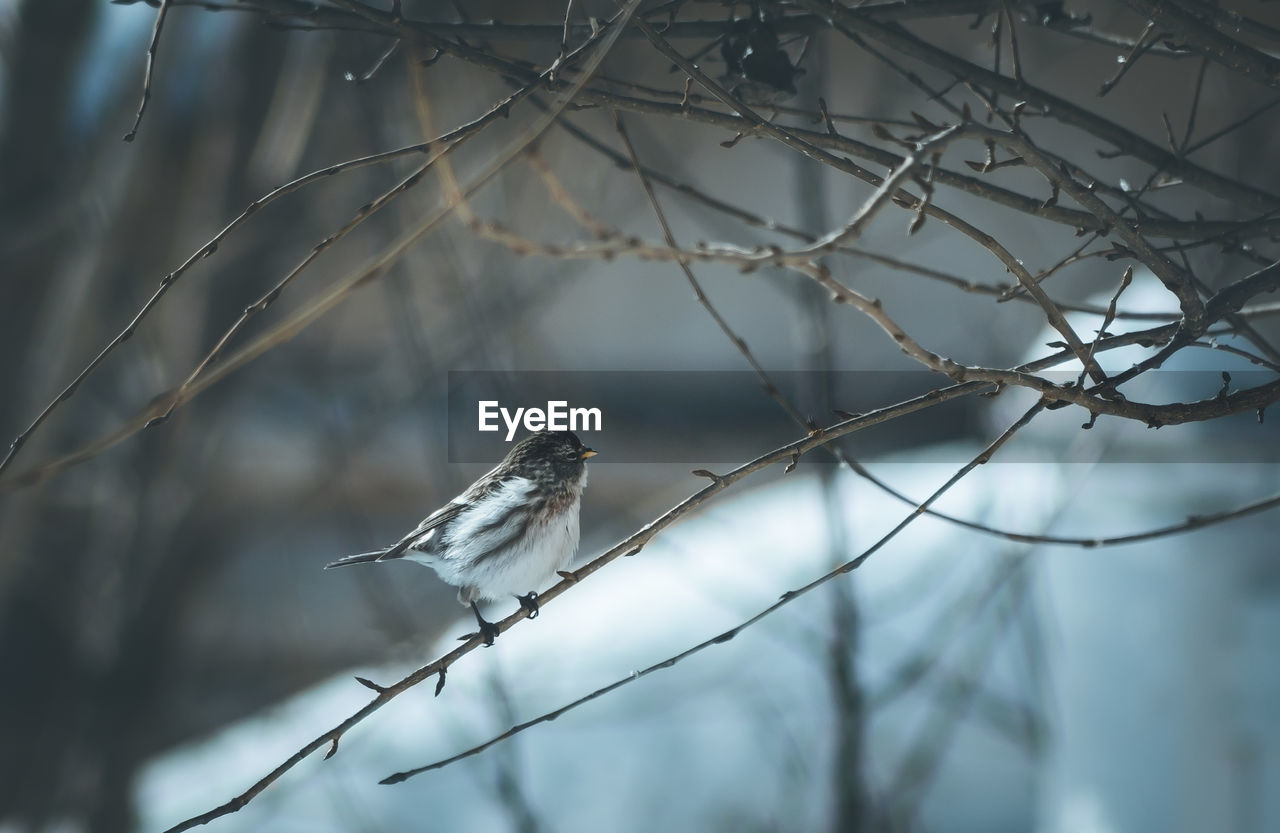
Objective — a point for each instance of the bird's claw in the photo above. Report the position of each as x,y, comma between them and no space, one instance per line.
529,602
488,630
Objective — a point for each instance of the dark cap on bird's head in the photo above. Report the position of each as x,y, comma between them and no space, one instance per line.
562,451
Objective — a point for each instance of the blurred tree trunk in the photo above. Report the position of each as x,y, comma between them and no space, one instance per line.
38,627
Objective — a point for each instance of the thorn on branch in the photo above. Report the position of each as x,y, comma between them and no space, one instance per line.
992,165
368,74
925,123
795,459
1226,386
567,575
1168,135
712,476
826,118
370,684
1018,107
926,188
991,158
333,749
882,132
440,682
1093,418
903,202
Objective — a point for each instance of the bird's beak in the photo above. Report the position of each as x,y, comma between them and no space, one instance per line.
587,453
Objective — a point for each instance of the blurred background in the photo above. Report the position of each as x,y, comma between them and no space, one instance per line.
167,636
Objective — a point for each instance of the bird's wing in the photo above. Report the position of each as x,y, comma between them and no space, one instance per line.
433,521
489,483
491,523
436,519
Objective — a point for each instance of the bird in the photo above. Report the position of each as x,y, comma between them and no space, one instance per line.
510,531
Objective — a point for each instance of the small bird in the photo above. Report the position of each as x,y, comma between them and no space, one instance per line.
510,531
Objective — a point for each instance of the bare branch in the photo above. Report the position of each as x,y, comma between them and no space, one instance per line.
161,13
632,544
721,638
1196,33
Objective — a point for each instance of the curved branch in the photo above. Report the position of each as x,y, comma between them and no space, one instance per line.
1199,34
787,598
633,544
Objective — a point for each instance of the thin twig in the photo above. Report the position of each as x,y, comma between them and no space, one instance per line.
558,192
1052,314
211,246
164,404
367,76
386,693
152,47
1144,42
1096,400
564,41
775,393
1233,126
1195,107
846,20
1107,318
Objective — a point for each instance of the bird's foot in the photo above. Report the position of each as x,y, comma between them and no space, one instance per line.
529,602
488,630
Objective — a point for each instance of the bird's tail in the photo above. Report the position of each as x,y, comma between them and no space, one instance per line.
361,558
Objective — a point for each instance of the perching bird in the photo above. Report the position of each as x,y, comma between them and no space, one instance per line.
509,532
